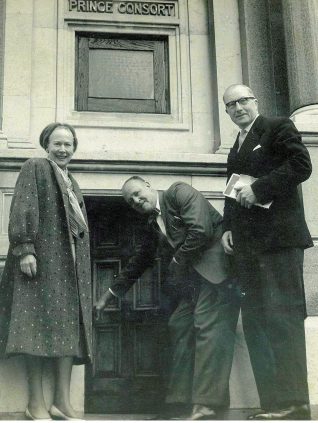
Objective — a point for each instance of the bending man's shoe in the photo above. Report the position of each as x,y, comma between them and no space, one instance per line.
202,412
294,412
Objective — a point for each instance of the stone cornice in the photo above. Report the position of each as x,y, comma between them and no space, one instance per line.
202,168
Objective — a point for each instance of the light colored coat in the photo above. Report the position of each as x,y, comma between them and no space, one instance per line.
41,316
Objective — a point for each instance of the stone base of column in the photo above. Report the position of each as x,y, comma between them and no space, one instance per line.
3,141
306,121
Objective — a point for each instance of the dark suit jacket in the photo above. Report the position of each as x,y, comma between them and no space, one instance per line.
281,163
194,228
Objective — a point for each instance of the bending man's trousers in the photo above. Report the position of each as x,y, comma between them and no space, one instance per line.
202,332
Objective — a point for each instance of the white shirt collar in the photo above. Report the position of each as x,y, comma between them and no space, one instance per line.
158,204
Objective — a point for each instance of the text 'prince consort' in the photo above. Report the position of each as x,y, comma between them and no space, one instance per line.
122,7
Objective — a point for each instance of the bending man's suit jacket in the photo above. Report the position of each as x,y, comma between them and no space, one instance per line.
273,153
194,228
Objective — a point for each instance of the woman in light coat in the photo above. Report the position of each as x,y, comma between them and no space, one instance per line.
45,291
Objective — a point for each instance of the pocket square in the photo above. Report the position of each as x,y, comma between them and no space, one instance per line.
258,146
177,218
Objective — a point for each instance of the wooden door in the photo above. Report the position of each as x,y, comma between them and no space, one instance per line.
130,336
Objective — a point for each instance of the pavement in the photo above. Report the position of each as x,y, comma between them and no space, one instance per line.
231,415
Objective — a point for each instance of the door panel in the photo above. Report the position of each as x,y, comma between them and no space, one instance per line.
130,336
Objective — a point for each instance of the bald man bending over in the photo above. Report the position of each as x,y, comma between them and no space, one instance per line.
203,325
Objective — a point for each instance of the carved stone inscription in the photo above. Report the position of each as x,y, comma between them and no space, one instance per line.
123,7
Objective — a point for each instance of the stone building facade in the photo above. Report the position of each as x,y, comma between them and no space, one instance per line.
142,83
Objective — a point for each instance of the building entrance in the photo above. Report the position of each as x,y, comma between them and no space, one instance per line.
128,374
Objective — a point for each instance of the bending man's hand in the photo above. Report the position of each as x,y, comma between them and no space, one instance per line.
246,196
28,265
227,242
105,299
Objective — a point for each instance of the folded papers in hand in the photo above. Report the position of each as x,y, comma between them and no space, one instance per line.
238,181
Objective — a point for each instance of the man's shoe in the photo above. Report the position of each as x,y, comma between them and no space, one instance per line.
294,412
202,412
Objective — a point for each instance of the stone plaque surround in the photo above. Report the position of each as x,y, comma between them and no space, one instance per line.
175,28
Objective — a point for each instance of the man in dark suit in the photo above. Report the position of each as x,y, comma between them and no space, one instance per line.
203,325
268,245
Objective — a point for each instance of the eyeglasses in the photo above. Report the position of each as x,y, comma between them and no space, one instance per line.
241,101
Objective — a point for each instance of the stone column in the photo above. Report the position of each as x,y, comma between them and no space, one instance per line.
226,52
301,36
257,63
3,138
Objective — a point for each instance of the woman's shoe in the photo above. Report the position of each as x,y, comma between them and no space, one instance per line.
29,416
59,415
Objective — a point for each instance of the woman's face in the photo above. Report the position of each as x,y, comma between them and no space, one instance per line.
61,146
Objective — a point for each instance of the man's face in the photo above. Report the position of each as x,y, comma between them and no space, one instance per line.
241,114
140,196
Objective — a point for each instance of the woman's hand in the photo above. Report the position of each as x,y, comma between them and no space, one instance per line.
28,265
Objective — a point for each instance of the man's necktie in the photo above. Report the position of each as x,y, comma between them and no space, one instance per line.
156,221
242,137
152,221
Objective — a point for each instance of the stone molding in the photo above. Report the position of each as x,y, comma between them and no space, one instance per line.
3,140
306,121
126,166
310,139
